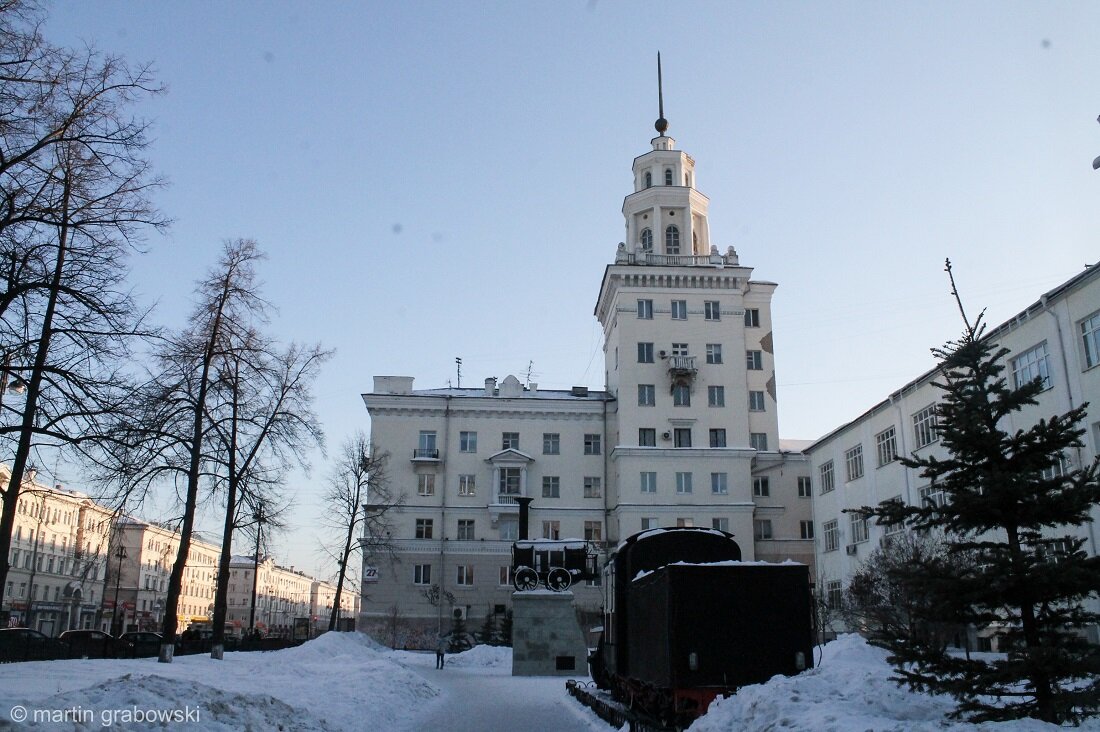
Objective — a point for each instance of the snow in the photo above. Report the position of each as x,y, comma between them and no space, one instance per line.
343,682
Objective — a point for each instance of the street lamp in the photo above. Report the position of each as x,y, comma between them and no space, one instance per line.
121,554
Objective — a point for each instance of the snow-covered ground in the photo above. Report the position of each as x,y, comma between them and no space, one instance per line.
344,682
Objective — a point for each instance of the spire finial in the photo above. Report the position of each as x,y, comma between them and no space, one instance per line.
661,124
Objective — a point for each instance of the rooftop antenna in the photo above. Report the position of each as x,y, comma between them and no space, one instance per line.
661,124
530,365
458,366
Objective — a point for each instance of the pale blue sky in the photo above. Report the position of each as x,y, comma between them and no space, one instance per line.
441,179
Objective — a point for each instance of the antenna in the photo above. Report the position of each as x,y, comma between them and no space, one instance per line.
661,124
458,366
530,365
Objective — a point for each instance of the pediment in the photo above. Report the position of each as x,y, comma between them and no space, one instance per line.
509,456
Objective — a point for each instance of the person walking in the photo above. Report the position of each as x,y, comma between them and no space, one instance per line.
440,649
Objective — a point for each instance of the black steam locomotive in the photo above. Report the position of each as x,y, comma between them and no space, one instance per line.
686,621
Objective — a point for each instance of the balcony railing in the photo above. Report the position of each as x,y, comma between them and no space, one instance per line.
714,259
682,364
507,499
423,453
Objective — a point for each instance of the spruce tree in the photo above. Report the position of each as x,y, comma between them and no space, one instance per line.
1010,500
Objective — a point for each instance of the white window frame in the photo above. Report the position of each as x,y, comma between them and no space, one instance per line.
551,443
467,441
857,524
422,574
679,310
805,487
757,402
683,483
758,441
853,462
1090,339
551,486
593,486
466,530
425,484
645,309
1034,363
926,426
464,577
712,310
886,446
647,481
714,353
716,396
467,485
593,443
647,395
761,486
752,317
762,530
645,352
719,484
830,534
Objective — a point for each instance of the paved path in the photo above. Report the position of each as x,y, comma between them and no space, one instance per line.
492,700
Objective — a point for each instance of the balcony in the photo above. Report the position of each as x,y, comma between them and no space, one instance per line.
681,365
642,257
423,454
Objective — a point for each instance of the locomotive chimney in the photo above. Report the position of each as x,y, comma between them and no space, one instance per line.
524,515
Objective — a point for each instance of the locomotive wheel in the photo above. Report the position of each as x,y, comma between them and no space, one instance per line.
558,580
526,579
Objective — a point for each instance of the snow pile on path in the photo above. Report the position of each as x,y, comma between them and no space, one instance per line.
482,657
848,691
337,682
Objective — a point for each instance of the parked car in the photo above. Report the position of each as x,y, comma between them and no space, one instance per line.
141,643
91,644
24,644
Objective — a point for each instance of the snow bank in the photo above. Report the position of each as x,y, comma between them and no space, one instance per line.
482,657
848,691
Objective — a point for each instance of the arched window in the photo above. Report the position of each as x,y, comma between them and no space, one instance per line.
668,176
648,179
647,240
672,240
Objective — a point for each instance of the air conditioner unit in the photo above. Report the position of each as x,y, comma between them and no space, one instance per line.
851,549
666,435
661,354
459,613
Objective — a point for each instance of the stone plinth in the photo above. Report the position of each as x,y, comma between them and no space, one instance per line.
546,638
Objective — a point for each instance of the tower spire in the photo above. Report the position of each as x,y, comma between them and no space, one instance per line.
661,124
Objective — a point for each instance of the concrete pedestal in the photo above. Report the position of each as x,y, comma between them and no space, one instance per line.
546,638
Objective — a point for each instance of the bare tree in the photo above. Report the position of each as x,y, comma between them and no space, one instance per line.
265,424
358,498
74,201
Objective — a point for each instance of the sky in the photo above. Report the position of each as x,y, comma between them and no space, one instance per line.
433,180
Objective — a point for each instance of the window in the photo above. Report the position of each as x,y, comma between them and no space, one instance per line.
465,529
1056,470
551,486
719,483
924,426
647,235
504,578
804,486
761,487
509,481
683,483
645,353
649,523
716,396
679,349
593,531
752,318
896,528
467,442
424,528
853,462
886,446
672,240
551,530
648,179
714,353
1090,339
720,524
932,496
1030,365
591,444
425,484
754,360
756,401
509,529
758,441
467,485
592,487
551,443
718,437
422,574
649,482
806,529
831,529
858,524
834,594
647,395
509,441
761,529
426,445
647,437
645,308
681,395
681,437
679,310
465,576
668,176
711,311
683,523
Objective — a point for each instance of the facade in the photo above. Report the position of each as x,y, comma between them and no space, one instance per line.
685,432
283,596
58,559
138,577
1057,338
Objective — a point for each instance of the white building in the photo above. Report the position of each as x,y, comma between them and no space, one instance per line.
283,597
684,434
855,465
58,560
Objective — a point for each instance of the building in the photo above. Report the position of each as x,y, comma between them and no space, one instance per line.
141,559
1056,338
283,597
323,597
58,559
684,434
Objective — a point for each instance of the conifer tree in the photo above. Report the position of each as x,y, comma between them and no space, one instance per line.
1011,498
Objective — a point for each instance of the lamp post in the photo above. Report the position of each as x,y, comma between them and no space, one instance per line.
121,554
